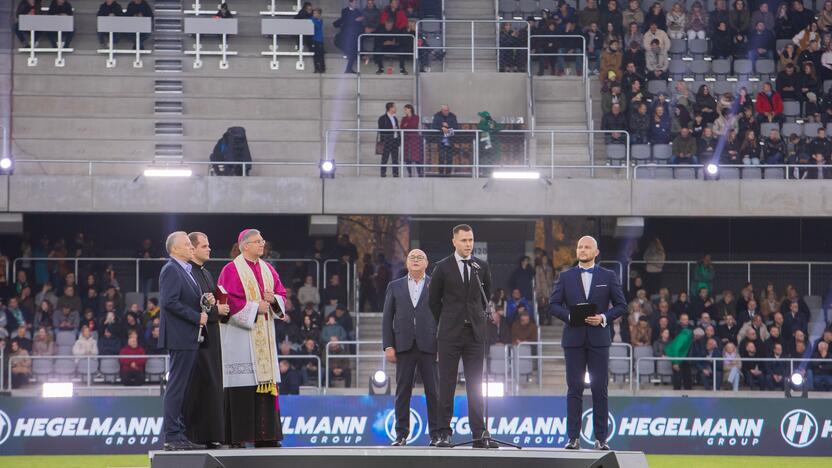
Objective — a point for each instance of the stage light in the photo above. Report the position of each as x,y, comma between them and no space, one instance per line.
169,171
57,390
379,383
712,169
797,384
516,175
494,389
5,163
586,378
327,167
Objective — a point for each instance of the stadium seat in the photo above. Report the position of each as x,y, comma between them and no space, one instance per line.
663,173
134,298
662,153
664,370
678,69
765,67
656,86
109,367
617,154
524,364
81,367
64,350
65,338
752,173
645,368
721,86
64,369
42,369
826,85
810,129
789,128
684,173
774,173
814,302
640,153
791,109
507,8
767,127
430,27
721,68
742,69
700,68
698,48
155,369
782,43
529,7
497,363
729,173
678,48
619,366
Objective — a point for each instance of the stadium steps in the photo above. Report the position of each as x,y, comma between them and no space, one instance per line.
459,35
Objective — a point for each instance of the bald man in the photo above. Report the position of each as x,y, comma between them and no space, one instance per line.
587,346
409,340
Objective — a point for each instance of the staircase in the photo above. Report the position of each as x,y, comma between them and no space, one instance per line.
459,35
168,107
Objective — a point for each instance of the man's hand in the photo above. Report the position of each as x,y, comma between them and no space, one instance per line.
203,318
390,354
594,320
268,296
263,308
211,299
223,309
706,371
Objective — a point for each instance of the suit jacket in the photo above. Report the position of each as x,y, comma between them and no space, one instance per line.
179,301
604,290
389,138
452,302
402,324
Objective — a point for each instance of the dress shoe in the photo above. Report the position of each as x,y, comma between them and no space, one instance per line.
573,444
444,441
174,446
433,441
192,446
599,445
268,444
213,445
486,444
400,441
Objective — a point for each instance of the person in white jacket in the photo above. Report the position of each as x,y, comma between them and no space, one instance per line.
86,345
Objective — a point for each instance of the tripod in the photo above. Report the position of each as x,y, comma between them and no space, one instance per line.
486,435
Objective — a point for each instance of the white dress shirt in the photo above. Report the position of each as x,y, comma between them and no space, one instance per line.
415,288
461,265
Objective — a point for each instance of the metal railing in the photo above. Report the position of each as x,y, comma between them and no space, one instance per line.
748,269
90,165
790,171
357,356
473,47
462,139
137,262
89,370
298,357
714,360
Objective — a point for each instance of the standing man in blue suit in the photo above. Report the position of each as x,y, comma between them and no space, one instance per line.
182,316
587,346
409,340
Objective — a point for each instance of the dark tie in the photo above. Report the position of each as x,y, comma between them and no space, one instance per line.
466,277
588,270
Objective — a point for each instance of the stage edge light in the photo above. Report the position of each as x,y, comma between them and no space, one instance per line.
168,172
57,390
5,163
712,169
494,389
516,175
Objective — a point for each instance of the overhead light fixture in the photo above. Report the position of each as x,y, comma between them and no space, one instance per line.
494,389
170,171
516,175
379,383
327,167
57,390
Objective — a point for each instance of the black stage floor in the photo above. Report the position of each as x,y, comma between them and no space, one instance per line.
397,457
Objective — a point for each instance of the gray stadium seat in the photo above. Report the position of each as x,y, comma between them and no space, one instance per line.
774,173
497,360
64,350
782,43
42,369
65,338
524,365
742,68
700,68
155,369
698,47
619,366
506,8
721,86
752,173
789,128
662,153
664,369
721,67
663,173
109,367
678,47
529,7
645,368
791,109
765,67
811,129
678,69
640,153
729,173
656,86
766,127
616,153
81,367
684,173
64,368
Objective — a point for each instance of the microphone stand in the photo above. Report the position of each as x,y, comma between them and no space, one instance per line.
486,435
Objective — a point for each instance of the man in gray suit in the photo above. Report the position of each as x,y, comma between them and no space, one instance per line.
409,340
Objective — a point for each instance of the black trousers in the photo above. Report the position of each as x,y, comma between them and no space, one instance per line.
446,158
578,361
318,58
406,364
390,153
682,378
450,352
132,378
181,368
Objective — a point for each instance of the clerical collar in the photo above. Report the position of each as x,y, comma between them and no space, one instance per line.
197,265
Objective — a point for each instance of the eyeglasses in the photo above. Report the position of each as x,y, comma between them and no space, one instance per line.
258,242
417,258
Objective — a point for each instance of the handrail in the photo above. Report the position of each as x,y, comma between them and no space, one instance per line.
473,47
357,356
748,264
703,167
723,359
138,261
305,356
89,360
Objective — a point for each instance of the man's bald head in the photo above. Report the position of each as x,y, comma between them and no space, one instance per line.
417,263
587,249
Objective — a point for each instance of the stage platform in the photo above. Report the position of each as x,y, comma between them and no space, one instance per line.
397,457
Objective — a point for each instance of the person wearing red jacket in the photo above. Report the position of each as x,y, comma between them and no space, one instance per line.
132,369
398,15
769,105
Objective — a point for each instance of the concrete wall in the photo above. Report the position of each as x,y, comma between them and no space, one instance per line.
429,196
467,94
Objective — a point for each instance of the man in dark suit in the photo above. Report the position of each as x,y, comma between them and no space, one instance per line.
181,318
389,140
458,307
409,340
587,346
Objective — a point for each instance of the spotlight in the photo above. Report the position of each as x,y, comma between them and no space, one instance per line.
586,378
494,389
168,171
327,167
379,383
797,383
57,390
5,163
712,169
516,175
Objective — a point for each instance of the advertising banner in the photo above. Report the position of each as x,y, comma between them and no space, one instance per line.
662,425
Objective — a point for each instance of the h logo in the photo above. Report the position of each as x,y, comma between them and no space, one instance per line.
799,428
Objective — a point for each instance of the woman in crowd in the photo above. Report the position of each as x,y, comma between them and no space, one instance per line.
731,150
412,142
681,118
825,16
807,35
677,22
722,42
705,104
43,344
750,149
697,24
782,23
739,18
643,335
774,150
657,15
633,35
786,56
808,88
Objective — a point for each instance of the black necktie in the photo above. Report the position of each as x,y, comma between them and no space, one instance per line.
466,277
